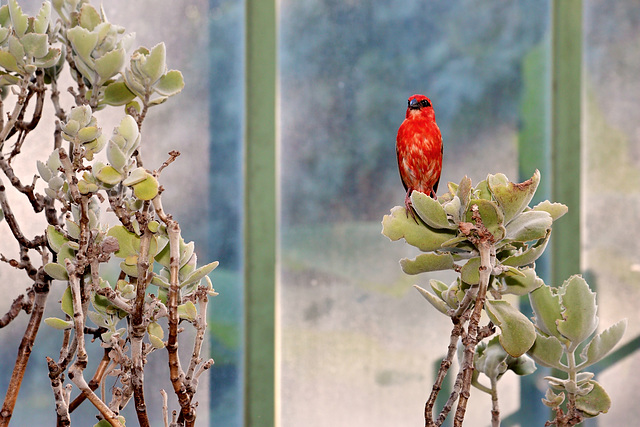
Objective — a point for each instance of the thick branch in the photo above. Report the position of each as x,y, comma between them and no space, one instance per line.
138,327
175,371
466,367
442,372
24,352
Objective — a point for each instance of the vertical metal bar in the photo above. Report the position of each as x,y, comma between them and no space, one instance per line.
260,217
566,91
534,153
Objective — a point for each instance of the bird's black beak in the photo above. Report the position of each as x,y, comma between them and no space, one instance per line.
414,104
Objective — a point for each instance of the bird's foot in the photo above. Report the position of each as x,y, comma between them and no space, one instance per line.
409,208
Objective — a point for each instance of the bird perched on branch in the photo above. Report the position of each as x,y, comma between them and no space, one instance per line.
419,150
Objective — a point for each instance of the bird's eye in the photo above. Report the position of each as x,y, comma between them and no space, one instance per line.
425,103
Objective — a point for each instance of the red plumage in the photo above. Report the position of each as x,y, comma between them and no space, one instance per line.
419,150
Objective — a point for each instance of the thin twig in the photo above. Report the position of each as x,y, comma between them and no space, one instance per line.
17,306
95,381
38,241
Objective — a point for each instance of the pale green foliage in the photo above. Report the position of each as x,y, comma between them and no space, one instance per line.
565,317
519,233
24,43
79,186
491,359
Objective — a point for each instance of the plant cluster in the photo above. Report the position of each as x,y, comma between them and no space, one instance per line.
490,236
131,278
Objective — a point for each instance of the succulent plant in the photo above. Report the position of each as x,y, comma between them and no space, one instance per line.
491,237
447,235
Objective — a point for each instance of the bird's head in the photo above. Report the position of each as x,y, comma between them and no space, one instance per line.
419,105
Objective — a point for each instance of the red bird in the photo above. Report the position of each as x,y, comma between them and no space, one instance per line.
419,150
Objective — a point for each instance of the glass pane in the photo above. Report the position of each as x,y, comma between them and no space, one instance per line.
358,344
204,41
611,184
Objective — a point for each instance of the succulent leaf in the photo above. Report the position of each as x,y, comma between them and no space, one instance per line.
603,343
579,318
518,333
511,197
438,303
398,225
547,351
427,262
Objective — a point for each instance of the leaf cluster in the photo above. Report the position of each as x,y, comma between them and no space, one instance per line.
158,282
491,227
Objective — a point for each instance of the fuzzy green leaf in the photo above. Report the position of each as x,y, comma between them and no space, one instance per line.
470,271
170,84
98,318
118,93
109,175
547,351
136,176
88,133
147,189
55,238
438,303
579,318
155,329
522,285
41,21
438,286
603,343
35,45
50,59
89,17
188,311
596,402
83,42
116,157
528,226
511,197
110,64
19,20
518,333
199,273
430,211
546,306
156,342
556,210
398,226
56,271
56,323
154,65
8,61
427,262
129,242
529,255
66,302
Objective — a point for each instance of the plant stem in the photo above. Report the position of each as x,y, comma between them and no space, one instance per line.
176,374
138,328
442,372
495,409
484,246
24,351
